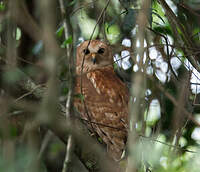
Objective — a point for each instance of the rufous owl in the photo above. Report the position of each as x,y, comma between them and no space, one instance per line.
105,97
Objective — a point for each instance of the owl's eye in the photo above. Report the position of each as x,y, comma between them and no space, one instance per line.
86,51
101,50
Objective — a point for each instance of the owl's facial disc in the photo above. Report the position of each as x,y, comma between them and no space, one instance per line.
94,56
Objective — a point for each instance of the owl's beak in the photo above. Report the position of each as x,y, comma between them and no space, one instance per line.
94,58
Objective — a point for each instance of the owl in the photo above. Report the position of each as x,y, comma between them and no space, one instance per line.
105,97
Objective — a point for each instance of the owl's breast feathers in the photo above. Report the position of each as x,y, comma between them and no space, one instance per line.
106,98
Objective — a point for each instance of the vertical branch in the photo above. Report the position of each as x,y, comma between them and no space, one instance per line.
50,100
178,115
11,35
69,104
8,145
137,89
49,104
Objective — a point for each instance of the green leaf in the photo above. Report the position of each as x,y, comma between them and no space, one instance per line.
80,96
13,131
2,6
156,14
59,32
163,29
72,3
65,90
66,42
114,33
100,139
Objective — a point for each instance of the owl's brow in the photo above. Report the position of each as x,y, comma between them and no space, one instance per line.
101,44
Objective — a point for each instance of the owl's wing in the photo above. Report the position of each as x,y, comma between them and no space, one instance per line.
112,111
107,84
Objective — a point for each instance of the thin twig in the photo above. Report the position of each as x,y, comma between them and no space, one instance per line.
29,93
44,144
164,143
69,104
81,81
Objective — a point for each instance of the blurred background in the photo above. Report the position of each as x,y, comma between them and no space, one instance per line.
156,52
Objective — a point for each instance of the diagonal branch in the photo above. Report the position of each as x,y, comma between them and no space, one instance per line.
186,38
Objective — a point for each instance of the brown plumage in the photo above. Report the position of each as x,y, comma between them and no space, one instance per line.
105,95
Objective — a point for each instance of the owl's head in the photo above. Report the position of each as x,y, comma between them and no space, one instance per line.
96,55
